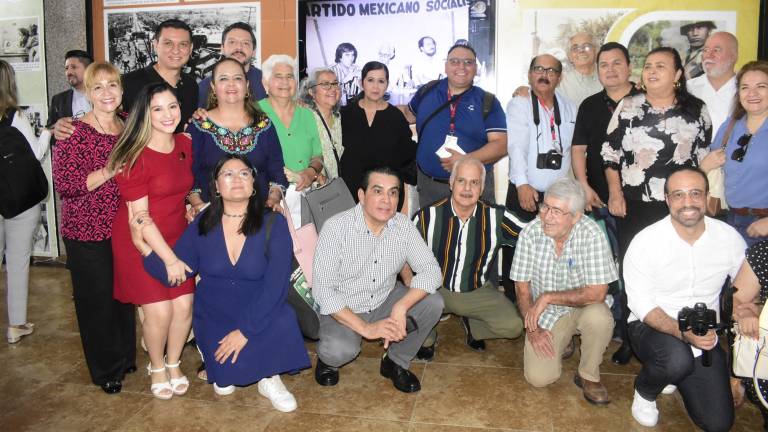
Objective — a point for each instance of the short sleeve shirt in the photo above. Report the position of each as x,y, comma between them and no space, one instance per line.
586,260
471,129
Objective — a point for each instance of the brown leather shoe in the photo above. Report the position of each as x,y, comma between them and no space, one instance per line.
594,392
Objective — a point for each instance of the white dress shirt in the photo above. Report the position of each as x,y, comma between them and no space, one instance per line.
719,102
525,141
663,270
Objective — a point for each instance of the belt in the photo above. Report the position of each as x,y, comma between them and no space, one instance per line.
763,212
443,181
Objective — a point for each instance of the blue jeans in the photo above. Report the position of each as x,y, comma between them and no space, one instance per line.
741,223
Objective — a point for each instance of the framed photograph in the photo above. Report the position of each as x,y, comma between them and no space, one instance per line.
20,42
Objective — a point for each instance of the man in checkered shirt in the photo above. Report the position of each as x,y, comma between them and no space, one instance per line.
561,268
358,256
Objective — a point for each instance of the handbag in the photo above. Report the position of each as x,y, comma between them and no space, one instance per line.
300,295
716,178
304,241
23,183
321,203
750,356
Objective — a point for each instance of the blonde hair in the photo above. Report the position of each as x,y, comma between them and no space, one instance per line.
8,94
100,68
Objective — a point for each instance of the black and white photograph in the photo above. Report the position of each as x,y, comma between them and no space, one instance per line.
684,32
346,35
129,33
20,42
111,3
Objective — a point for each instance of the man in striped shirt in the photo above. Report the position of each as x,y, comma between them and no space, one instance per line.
465,234
358,256
561,268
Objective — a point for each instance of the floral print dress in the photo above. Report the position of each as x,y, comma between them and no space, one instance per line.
645,144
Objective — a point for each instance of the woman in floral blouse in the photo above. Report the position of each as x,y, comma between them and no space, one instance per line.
235,125
651,134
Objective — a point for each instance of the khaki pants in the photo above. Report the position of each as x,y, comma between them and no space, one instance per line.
491,314
595,325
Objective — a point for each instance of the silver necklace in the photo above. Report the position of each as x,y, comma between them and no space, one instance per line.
234,215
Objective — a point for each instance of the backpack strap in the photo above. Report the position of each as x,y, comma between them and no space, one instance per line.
488,98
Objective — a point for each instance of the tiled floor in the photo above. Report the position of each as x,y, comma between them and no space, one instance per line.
44,386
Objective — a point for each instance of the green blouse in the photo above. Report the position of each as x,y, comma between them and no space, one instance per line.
300,142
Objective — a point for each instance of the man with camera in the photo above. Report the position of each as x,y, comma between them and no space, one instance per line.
561,268
675,263
539,132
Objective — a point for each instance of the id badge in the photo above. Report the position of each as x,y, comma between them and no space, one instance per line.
451,141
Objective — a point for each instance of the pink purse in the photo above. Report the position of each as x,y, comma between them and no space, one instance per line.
304,242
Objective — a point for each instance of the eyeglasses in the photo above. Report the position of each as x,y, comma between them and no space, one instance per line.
230,175
545,208
693,194
541,70
327,85
583,47
459,61
743,142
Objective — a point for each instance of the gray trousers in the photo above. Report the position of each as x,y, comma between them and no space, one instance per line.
16,243
339,345
431,190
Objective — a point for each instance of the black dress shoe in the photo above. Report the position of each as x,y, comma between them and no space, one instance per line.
325,375
402,379
472,343
426,353
112,387
622,355
130,369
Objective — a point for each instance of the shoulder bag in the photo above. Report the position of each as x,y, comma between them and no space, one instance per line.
716,177
750,356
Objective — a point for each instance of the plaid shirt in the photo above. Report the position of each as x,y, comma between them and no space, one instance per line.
586,260
465,250
355,269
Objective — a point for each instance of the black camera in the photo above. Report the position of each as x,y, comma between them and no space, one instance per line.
699,321
549,160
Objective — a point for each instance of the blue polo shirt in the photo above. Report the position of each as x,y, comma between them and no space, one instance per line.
746,184
471,129
254,82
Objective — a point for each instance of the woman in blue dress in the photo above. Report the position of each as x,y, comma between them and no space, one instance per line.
244,327
234,124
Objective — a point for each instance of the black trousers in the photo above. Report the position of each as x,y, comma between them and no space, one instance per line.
667,360
513,205
640,215
107,327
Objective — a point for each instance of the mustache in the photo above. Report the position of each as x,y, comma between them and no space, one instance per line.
544,81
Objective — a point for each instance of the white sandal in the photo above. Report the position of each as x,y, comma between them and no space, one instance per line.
177,383
159,389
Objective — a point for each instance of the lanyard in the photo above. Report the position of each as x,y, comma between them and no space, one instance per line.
452,107
551,115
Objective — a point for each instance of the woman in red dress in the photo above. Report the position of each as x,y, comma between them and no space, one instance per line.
155,178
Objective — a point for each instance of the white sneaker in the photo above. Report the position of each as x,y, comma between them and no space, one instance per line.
644,411
668,390
273,389
223,391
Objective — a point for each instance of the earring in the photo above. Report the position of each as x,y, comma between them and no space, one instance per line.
642,86
213,100
253,192
217,194
248,94
677,85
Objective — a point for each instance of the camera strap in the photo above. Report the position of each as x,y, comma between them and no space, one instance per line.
554,122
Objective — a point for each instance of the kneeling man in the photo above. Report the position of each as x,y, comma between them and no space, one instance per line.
358,256
465,235
561,268
679,261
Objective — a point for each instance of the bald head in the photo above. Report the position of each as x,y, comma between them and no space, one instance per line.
721,51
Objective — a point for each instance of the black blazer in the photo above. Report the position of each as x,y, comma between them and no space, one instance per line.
61,106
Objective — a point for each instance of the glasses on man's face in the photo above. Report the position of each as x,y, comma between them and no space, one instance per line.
229,175
541,70
743,142
546,209
453,61
694,194
327,85
582,47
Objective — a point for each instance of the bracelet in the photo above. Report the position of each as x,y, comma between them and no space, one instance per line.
315,170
